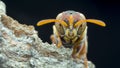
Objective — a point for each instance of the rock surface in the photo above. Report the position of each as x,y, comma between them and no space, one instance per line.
20,47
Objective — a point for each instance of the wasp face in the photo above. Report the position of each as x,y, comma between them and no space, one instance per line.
70,18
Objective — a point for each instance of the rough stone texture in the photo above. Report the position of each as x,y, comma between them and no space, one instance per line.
20,47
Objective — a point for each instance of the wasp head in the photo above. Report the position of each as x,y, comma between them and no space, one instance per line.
70,18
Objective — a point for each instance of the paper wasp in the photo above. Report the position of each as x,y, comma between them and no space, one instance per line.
70,30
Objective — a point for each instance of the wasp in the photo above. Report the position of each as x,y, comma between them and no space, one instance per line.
70,31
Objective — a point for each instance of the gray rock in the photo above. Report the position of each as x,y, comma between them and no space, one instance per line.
20,47
2,8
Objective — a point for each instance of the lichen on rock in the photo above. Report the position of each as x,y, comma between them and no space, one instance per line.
20,47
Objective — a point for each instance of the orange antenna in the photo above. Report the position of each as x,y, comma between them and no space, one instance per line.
94,21
43,22
79,23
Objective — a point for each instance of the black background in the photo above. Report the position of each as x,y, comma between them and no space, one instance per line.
103,42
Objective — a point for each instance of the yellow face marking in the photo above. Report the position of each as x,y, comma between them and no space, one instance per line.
71,20
94,21
43,22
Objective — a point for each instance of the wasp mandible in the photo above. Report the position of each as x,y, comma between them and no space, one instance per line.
70,30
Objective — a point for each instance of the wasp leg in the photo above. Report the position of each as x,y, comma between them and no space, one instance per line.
56,41
85,61
55,38
80,52
83,53
74,52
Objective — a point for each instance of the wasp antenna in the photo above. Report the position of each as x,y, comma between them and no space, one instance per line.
61,22
43,22
98,22
79,23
